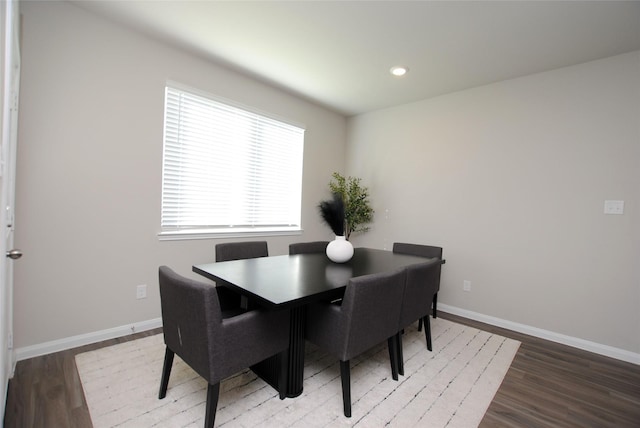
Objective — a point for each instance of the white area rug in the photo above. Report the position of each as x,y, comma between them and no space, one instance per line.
449,387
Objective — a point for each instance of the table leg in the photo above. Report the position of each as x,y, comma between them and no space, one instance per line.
269,369
296,352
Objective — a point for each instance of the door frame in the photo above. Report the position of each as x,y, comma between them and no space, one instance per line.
10,73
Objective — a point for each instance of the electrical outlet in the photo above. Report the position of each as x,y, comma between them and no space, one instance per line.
466,285
614,207
141,291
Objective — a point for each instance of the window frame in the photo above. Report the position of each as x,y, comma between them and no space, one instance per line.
188,233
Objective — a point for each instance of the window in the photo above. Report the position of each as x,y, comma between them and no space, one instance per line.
227,169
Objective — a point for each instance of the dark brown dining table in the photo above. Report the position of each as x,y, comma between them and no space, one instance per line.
290,282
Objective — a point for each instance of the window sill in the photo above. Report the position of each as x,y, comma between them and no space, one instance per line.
191,234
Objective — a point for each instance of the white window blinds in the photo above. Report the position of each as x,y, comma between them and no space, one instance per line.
226,168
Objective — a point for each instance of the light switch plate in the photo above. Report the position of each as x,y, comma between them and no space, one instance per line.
614,207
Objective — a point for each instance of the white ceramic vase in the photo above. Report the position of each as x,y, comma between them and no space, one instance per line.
340,250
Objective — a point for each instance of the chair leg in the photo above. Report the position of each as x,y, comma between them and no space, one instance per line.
435,305
213,392
283,377
435,311
398,339
427,331
392,344
345,375
166,371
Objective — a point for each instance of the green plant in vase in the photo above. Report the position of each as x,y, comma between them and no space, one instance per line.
355,198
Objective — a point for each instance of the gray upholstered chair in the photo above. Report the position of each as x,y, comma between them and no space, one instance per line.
421,284
422,251
308,247
241,250
196,328
368,315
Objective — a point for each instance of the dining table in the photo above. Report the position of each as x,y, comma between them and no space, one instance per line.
291,282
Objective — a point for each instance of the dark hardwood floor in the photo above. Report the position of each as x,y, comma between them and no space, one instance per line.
548,385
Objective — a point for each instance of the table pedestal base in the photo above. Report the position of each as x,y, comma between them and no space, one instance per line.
269,369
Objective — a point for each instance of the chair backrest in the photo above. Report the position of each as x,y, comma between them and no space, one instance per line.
308,247
417,250
422,281
422,251
371,310
190,317
241,250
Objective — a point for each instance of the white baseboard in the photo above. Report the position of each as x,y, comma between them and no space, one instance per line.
84,339
597,348
98,336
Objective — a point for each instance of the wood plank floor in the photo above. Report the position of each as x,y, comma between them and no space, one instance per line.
548,385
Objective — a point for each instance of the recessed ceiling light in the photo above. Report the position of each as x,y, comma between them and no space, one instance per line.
399,70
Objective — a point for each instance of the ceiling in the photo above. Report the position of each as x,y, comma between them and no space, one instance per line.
339,53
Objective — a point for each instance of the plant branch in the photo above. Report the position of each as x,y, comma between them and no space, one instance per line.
332,212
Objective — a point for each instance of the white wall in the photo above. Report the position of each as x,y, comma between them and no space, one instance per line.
89,170
511,179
